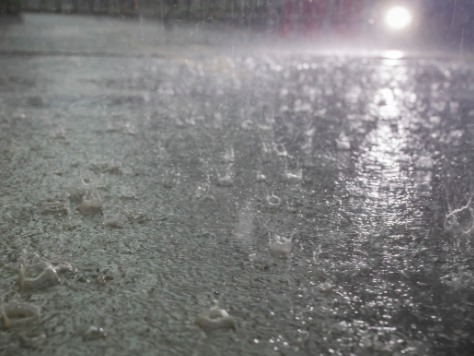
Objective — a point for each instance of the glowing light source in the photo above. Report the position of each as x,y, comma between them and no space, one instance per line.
398,18
393,54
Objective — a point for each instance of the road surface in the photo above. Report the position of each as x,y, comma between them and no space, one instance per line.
323,200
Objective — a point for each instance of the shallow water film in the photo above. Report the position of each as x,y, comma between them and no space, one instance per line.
257,204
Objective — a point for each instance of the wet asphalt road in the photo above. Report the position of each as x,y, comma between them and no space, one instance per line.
201,147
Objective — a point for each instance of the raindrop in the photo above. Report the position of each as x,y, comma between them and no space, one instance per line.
225,180
94,333
19,315
91,202
272,203
215,318
280,246
37,276
343,142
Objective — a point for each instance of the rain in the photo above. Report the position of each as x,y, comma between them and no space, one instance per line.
241,177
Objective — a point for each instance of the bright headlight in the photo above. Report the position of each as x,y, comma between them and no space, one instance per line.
398,18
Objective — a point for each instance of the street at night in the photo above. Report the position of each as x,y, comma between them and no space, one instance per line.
214,190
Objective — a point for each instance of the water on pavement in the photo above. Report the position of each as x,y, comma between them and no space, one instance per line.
309,196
